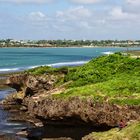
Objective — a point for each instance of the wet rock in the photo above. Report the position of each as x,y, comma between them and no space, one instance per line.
39,124
23,117
22,133
63,138
2,135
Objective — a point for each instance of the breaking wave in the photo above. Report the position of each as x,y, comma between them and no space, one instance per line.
56,65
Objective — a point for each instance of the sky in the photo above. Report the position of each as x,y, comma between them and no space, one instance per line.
70,19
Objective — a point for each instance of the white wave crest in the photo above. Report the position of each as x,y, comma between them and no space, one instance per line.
77,63
8,69
108,53
68,64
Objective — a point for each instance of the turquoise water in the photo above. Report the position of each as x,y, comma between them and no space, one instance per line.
14,59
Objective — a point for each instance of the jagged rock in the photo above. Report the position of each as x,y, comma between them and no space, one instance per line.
74,109
30,85
77,109
63,138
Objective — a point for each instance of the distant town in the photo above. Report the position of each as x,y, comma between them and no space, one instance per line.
68,43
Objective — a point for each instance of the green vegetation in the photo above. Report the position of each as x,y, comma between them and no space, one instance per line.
68,43
114,78
118,90
79,43
40,70
103,69
48,70
131,132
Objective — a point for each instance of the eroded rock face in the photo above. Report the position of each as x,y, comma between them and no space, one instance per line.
87,111
74,109
31,85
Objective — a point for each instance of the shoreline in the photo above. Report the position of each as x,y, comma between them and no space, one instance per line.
79,47
53,65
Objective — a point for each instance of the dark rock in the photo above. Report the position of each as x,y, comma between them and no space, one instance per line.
63,138
2,135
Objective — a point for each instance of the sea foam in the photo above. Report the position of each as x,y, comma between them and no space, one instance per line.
107,53
56,65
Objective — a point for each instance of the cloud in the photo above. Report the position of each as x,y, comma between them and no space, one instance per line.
26,1
37,15
85,1
79,19
76,13
36,19
132,6
107,20
72,19
46,1
133,2
117,13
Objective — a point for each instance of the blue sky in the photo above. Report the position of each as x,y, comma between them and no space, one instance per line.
70,19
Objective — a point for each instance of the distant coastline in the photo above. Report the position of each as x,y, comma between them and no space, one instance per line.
67,43
71,46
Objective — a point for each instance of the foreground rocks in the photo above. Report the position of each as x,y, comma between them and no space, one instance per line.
74,109
82,111
71,111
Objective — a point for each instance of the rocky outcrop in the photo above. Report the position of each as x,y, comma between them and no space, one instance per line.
30,85
72,110
81,111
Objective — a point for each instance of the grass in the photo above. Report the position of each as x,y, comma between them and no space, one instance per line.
114,78
131,132
51,70
103,69
118,90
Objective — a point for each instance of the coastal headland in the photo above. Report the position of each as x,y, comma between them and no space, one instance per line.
100,93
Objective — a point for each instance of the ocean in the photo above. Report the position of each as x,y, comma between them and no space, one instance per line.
17,59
